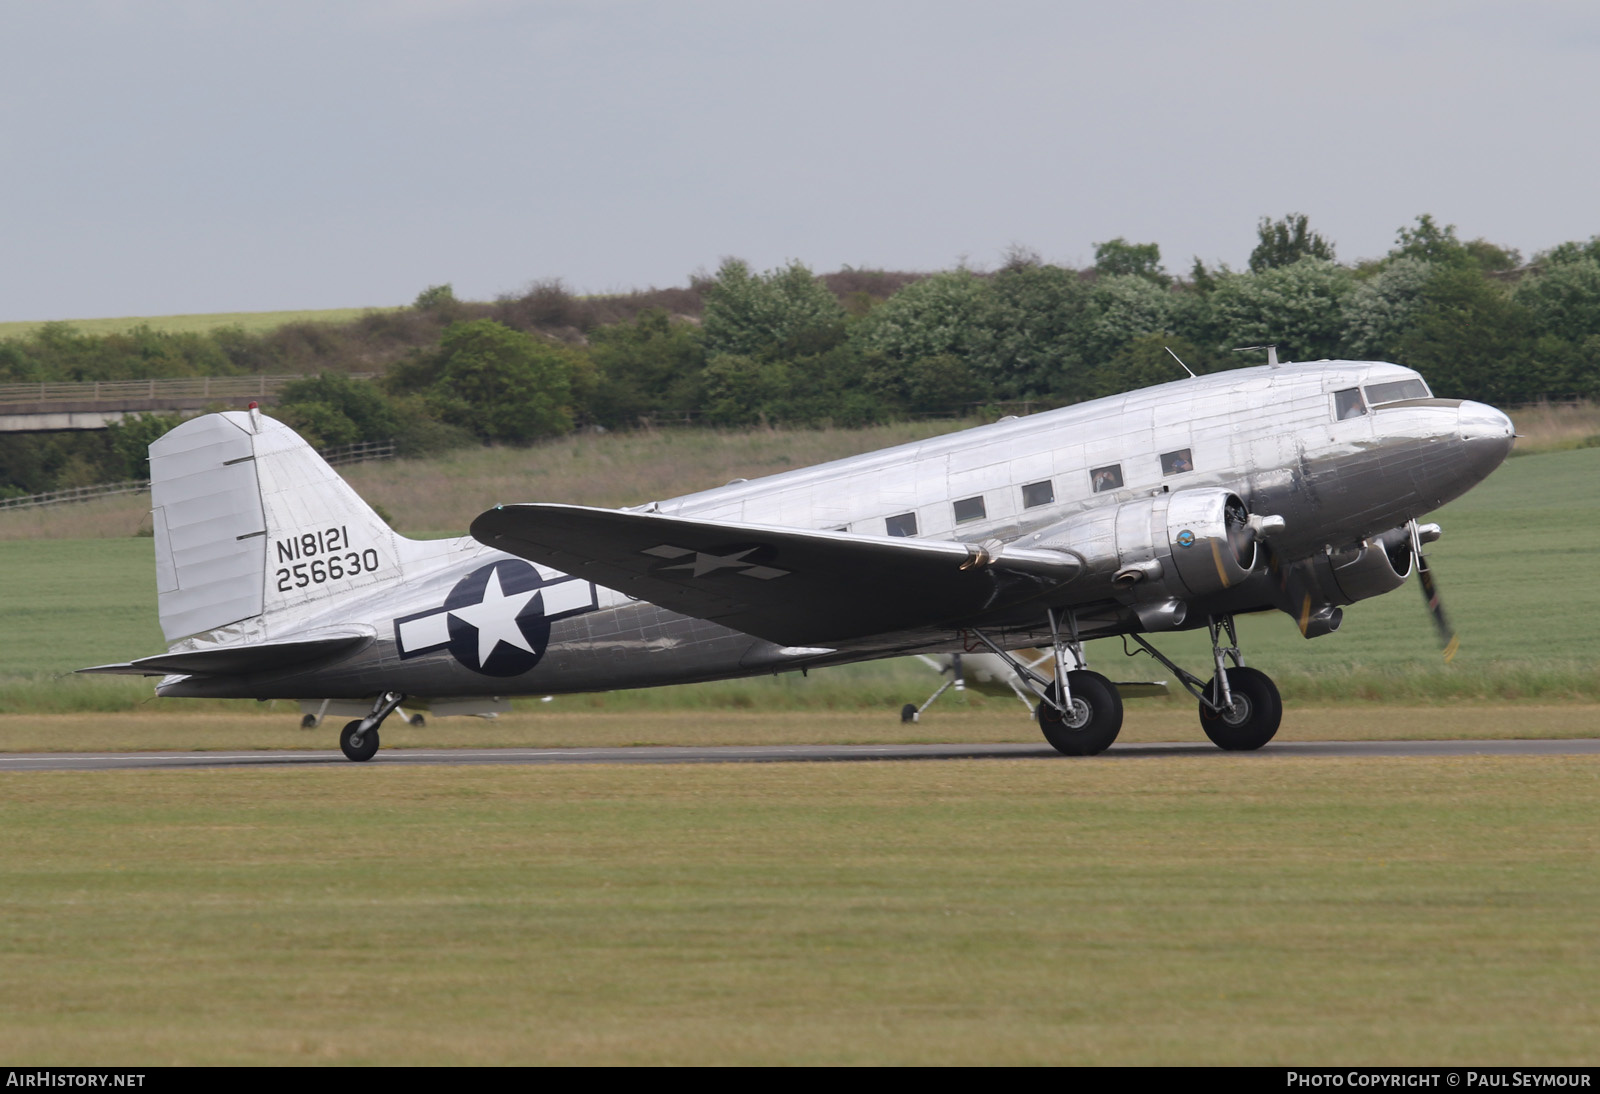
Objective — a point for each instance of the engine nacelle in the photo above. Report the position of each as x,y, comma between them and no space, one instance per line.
1210,539
1164,549
1314,587
1373,567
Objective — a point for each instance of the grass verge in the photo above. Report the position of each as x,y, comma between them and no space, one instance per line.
1239,910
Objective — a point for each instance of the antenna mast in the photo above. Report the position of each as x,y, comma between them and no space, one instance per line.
1178,359
1272,353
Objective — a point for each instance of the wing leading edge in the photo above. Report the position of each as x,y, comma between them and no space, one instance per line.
791,586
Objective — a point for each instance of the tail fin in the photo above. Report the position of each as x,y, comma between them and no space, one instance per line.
250,521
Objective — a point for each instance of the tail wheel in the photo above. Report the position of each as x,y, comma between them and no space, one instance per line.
356,745
1091,722
1253,719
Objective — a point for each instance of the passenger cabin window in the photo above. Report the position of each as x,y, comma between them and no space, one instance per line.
903,525
970,509
1106,478
1348,404
1176,463
1038,493
1396,390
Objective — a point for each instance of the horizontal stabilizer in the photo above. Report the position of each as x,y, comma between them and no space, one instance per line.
238,660
792,586
1142,689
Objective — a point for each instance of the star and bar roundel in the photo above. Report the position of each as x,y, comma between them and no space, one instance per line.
496,620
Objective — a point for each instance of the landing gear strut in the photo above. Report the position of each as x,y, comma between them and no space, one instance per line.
1240,709
913,713
1080,712
359,739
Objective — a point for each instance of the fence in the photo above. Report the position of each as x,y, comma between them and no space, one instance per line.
190,387
76,493
360,452
337,456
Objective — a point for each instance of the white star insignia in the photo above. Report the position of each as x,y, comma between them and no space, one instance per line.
706,563
495,618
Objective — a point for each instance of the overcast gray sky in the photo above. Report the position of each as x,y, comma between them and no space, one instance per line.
170,157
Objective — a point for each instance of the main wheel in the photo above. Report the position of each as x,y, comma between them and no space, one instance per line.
356,745
1093,720
1254,717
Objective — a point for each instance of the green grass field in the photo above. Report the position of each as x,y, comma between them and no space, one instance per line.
256,322
1216,910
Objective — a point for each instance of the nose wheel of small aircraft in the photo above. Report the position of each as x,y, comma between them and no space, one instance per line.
1092,718
359,740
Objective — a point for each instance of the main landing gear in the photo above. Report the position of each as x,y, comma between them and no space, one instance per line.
359,739
1239,707
1080,712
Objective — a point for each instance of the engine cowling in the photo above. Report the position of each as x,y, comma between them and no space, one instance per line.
1163,549
1313,588
1373,567
1210,539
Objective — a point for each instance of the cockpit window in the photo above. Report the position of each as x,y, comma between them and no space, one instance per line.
1348,404
1397,390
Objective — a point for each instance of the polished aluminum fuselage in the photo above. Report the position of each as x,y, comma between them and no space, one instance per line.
1271,435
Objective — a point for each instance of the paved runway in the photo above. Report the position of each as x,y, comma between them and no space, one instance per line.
102,761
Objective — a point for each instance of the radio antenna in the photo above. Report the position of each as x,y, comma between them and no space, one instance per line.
1272,353
1178,359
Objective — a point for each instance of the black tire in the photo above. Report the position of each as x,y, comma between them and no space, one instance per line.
1256,713
417,721
1095,721
908,713
359,748
310,721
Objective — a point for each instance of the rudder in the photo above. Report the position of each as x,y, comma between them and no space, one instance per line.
249,521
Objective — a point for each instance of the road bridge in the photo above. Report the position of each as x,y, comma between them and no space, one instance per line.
95,404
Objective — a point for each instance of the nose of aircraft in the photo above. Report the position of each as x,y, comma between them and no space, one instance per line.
1486,436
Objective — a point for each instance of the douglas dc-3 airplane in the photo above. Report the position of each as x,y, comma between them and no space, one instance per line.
1295,487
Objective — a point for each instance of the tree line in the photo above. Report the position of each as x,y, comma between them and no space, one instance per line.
858,346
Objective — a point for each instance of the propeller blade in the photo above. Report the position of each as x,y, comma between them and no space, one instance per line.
1430,596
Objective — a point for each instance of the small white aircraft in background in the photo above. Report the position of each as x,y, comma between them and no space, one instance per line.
989,675
1295,487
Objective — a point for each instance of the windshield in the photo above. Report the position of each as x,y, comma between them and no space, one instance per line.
1397,390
